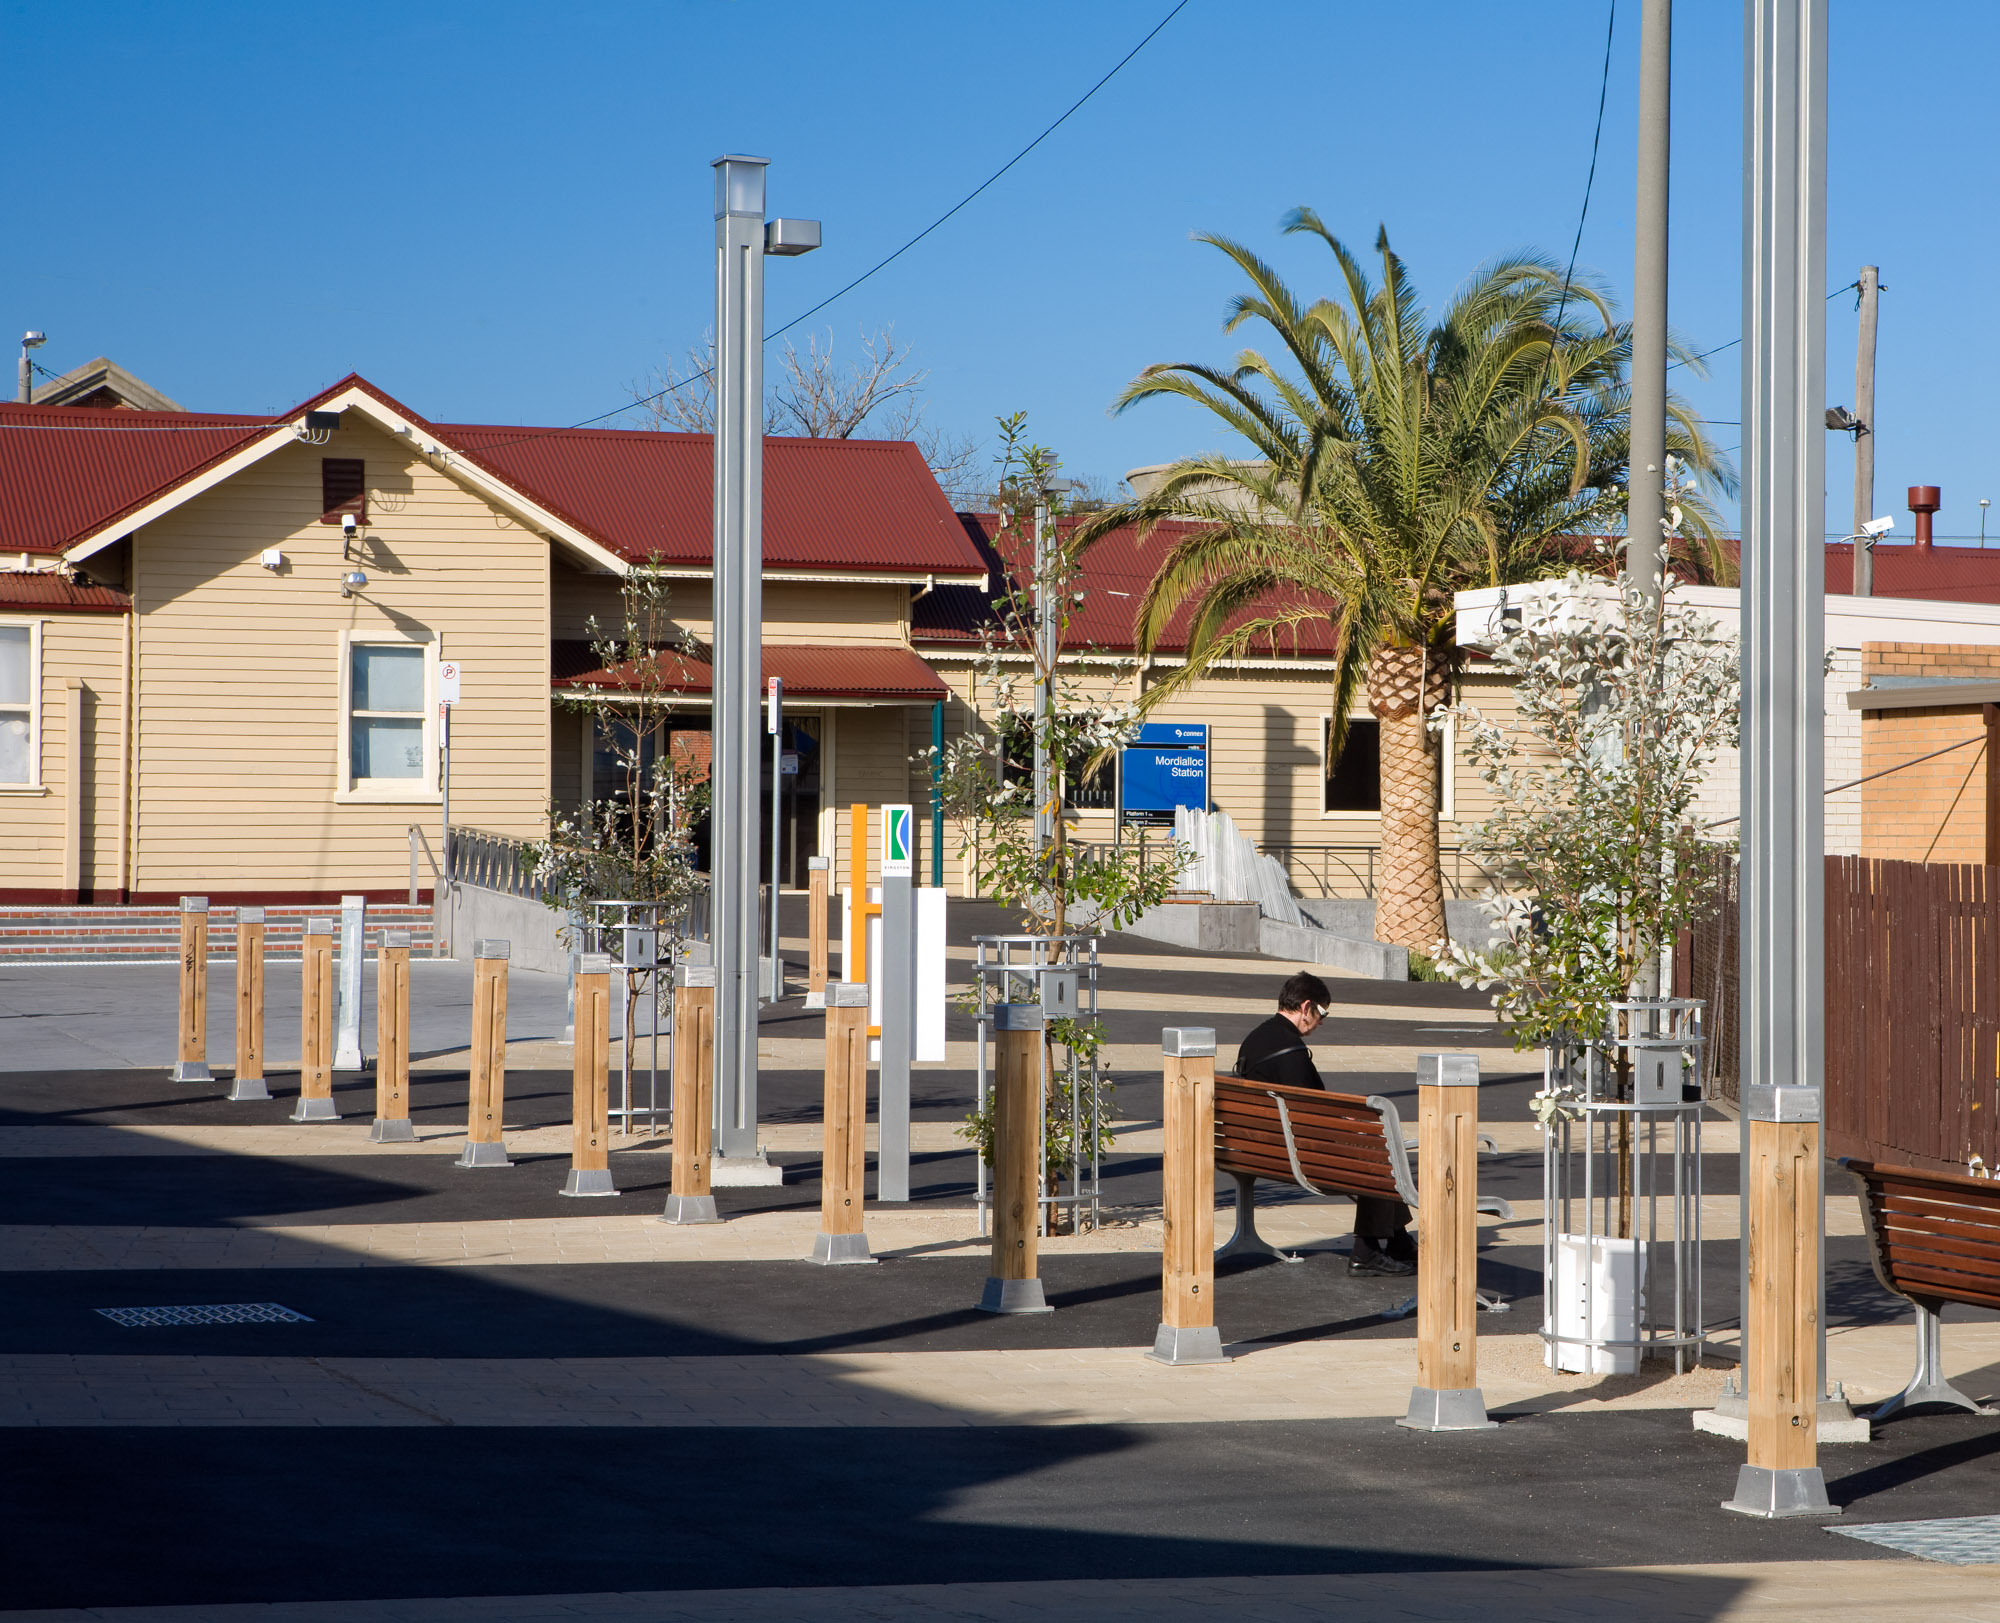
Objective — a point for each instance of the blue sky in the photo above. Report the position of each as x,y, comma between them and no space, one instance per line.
502,212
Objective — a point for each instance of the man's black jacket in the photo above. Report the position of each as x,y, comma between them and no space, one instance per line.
1275,1052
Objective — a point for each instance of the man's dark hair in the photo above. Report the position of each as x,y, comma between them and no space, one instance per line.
1302,989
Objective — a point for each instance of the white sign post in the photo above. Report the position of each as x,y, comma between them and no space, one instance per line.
450,677
897,978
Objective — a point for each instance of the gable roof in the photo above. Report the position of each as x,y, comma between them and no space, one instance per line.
74,480
102,384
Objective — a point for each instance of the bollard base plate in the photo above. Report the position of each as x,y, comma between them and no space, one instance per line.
1014,1296
315,1110
1771,1494
392,1130
248,1087
1181,1344
690,1209
189,1071
482,1155
1447,1409
589,1181
837,1250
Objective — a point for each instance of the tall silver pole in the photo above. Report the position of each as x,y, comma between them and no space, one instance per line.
1646,472
1044,826
738,617
776,689
1784,688
1870,285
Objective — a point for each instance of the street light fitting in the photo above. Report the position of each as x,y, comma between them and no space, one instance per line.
352,582
1842,421
789,238
739,185
33,340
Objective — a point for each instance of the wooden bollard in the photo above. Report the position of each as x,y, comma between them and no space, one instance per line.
693,1198
1187,1333
487,1104
248,1081
192,1065
590,1088
392,1040
316,1024
1015,1284
1782,1476
818,872
844,1159
1447,1396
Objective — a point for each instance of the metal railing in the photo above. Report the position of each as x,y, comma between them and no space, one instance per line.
492,862
1332,871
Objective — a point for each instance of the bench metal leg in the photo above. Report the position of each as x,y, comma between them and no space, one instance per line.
1928,1385
1246,1241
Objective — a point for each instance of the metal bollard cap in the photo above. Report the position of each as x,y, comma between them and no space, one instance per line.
494,948
1770,1101
593,963
847,994
320,927
394,939
694,975
1188,1042
194,904
819,864
1447,1070
249,915
1017,1017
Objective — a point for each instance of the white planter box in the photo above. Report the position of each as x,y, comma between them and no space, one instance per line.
1603,1300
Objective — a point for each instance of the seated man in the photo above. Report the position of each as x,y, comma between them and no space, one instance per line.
1276,1052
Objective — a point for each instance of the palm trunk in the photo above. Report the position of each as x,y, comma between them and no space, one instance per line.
1404,685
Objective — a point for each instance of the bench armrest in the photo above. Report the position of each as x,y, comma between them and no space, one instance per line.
1496,1206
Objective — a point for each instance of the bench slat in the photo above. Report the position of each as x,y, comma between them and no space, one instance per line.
1900,1243
1933,1235
1913,1209
1974,1290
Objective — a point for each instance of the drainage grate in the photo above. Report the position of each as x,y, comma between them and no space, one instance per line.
1964,1541
155,1318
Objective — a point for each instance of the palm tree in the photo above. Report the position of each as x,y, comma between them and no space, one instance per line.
1397,463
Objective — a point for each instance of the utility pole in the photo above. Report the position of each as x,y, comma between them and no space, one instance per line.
29,340
1645,478
742,238
1870,284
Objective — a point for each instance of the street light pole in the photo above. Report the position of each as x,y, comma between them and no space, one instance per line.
742,238
1645,474
1784,706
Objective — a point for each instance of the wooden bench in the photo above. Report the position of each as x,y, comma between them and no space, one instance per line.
1934,1238
1324,1143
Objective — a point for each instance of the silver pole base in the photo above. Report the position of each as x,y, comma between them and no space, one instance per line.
248,1087
1175,1344
1761,1491
188,1071
1014,1296
834,1250
690,1209
590,1181
482,1155
1447,1409
315,1110
392,1130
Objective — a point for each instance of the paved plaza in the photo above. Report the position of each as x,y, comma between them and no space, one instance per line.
252,1370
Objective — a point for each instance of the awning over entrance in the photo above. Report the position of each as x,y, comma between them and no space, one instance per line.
813,673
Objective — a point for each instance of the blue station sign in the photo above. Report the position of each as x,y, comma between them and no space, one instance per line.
1164,769
1174,734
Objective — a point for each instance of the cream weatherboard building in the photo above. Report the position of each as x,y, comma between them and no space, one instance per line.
221,640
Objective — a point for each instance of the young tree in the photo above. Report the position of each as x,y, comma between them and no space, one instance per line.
635,844
1398,461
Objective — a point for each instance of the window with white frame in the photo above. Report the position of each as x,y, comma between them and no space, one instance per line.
388,723
17,705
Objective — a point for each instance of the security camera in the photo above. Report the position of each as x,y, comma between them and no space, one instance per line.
1877,527
347,526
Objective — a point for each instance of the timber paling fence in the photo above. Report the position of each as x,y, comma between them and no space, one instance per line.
1912,1007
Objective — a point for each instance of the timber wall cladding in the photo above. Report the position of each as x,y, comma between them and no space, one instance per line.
1912,1011
238,712
88,648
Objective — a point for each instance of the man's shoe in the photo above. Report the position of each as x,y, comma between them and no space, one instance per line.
1379,1263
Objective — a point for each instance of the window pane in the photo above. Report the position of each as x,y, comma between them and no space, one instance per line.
387,749
1355,782
14,761
388,678
14,673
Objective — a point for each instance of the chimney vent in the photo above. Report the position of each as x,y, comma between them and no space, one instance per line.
1924,501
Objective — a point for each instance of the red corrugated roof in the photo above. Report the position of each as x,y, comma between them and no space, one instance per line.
844,506
67,471
1115,575
808,670
1945,574
44,589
